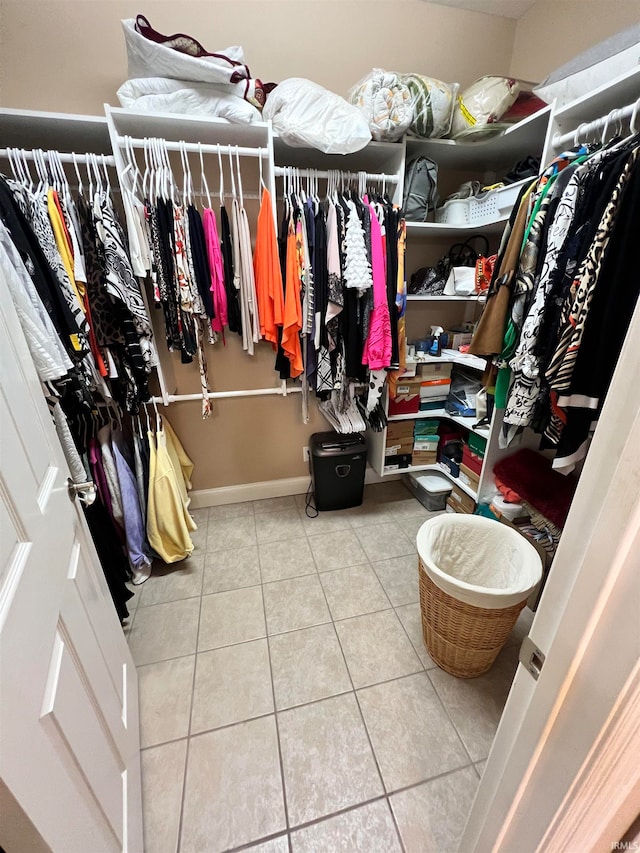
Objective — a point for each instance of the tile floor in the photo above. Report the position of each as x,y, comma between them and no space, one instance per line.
287,702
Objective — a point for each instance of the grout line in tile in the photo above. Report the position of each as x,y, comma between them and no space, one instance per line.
344,658
395,823
194,735
442,775
275,713
446,710
193,687
163,743
250,844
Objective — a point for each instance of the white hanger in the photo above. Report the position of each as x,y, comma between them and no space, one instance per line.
158,418
239,177
221,176
262,183
145,177
107,177
77,171
203,178
634,115
233,180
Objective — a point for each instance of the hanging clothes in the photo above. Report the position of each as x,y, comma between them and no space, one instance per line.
268,276
216,268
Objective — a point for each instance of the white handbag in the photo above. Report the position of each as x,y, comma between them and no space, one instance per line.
461,281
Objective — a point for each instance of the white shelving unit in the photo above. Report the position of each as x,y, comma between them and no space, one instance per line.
486,160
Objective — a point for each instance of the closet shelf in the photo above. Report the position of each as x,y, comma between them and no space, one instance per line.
189,128
454,357
443,229
441,414
495,153
441,469
615,93
62,131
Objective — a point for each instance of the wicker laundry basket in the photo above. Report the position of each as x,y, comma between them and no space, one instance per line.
462,636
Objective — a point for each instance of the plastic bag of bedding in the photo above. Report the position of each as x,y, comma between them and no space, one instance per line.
161,95
386,103
484,103
433,103
304,113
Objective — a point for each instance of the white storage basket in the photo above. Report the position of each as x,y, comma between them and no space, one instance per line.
495,204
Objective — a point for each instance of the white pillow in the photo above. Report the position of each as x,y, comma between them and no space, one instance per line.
589,70
160,95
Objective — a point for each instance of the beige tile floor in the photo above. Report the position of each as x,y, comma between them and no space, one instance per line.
287,702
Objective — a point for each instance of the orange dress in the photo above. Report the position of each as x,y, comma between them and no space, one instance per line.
268,277
292,306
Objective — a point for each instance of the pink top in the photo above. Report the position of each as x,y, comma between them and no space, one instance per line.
218,292
377,348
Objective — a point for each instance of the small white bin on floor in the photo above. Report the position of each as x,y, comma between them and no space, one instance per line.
475,577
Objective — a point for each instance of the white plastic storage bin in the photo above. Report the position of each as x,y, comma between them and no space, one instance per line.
432,489
493,205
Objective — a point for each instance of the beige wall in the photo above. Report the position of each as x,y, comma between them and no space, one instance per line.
554,31
70,56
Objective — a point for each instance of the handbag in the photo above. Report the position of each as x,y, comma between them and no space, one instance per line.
463,258
484,272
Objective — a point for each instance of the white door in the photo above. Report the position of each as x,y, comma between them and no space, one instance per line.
69,739
563,773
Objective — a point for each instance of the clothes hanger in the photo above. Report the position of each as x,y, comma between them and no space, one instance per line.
145,177
77,171
203,178
146,412
221,176
239,177
262,185
158,418
233,180
634,115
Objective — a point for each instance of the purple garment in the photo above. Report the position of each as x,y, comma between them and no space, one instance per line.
99,477
138,550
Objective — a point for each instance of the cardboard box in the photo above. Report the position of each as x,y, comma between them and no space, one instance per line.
432,404
454,506
426,442
473,462
399,448
393,463
424,457
435,370
434,388
463,498
426,426
405,404
399,431
409,385
469,477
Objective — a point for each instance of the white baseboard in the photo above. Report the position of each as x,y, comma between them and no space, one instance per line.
266,489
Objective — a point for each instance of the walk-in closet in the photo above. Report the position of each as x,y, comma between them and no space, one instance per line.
319,440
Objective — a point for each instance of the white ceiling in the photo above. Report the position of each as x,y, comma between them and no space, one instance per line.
504,8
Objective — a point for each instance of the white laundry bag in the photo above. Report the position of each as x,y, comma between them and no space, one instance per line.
478,561
161,95
304,113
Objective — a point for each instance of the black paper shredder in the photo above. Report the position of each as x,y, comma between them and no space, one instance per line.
338,464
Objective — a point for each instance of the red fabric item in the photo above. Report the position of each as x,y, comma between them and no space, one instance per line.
508,494
532,476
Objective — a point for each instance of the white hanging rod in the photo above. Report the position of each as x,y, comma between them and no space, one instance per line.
196,147
283,171
107,159
560,141
223,395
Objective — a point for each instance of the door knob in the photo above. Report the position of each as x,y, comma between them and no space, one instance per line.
86,492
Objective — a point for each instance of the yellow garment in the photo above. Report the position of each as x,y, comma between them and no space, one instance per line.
63,246
183,467
167,527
